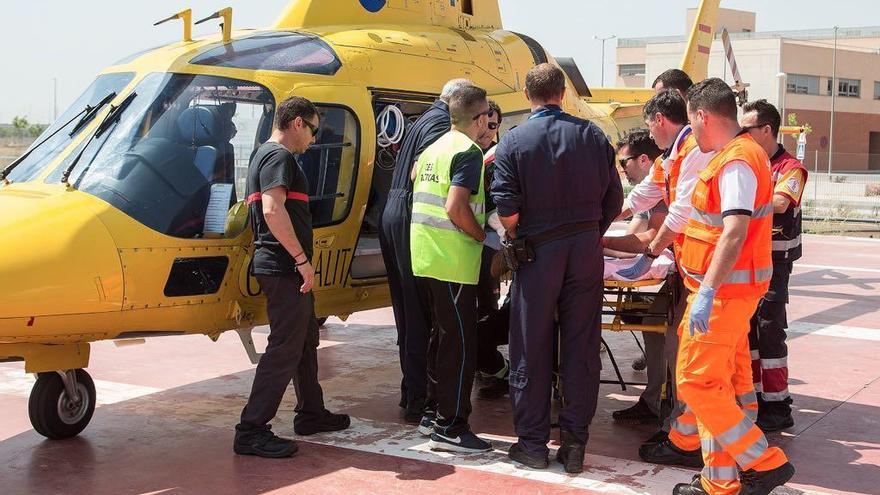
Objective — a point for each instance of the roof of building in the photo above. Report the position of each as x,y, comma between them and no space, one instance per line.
801,34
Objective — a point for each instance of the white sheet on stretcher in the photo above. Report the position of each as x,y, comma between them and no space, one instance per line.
659,269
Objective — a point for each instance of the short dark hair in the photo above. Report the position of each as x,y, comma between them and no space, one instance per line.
669,104
495,108
674,79
767,114
465,104
545,82
291,108
639,142
713,95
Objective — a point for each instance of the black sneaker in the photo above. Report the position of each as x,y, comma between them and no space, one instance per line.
571,453
329,422
415,409
768,423
516,453
695,487
763,482
465,442
660,436
263,443
639,414
667,453
427,424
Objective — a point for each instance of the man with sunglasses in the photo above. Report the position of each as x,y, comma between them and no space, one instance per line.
672,182
278,207
557,191
412,315
767,335
446,242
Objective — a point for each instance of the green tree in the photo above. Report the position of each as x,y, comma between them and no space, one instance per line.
20,122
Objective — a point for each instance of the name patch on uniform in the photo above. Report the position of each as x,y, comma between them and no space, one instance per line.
428,174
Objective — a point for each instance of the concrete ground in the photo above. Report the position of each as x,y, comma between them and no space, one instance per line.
166,411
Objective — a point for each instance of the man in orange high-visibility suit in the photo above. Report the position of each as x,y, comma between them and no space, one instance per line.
727,265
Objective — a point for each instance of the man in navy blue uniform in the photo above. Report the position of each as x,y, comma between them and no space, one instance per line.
557,191
411,314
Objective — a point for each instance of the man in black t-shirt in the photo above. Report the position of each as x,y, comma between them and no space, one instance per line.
278,207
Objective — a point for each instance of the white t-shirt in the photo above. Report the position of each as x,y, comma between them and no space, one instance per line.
738,186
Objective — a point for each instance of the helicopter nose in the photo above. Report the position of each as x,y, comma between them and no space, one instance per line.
56,256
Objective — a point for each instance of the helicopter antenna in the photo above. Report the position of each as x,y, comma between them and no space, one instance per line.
226,25
186,16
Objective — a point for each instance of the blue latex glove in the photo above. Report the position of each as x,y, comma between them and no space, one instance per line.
640,267
701,309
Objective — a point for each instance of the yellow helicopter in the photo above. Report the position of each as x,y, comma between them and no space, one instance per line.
126,218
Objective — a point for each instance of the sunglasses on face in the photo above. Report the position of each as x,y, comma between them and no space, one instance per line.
493,126
623,161
312,127
756,126
488,113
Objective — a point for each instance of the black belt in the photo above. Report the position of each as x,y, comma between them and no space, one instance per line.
561,232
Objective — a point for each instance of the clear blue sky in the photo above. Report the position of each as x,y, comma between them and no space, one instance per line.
73,40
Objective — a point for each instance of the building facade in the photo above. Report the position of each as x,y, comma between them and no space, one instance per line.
793,70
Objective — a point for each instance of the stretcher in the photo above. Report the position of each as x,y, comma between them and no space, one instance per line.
629,305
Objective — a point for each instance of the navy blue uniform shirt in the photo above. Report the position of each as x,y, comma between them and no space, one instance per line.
429,127
556,169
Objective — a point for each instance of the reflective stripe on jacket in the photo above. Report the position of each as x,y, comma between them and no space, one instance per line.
753,269
440,250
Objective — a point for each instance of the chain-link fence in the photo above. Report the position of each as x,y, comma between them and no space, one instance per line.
842,195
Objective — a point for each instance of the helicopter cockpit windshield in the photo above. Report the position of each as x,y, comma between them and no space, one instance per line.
174,150
47,146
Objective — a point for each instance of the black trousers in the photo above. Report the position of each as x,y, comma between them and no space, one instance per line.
492,331
488,287
566,276
767,342
452,352
411,313
291,355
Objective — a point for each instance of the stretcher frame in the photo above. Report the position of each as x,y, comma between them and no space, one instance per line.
618,302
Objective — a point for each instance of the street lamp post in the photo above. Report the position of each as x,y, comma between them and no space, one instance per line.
833,93
603,40
783,77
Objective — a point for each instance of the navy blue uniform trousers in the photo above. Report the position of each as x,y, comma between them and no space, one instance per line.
411,313
566,276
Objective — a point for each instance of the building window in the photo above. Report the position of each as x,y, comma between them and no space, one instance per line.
802,84
877,90
631,70
846,87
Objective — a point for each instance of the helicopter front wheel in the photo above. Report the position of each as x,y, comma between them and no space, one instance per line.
61,403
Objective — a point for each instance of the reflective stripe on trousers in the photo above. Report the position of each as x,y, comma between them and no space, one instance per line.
786,245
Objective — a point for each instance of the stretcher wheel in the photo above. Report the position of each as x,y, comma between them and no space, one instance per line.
53,413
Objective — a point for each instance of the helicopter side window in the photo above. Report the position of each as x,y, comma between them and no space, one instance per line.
282,51
330,165
173,159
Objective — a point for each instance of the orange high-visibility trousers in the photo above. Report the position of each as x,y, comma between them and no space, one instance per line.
711,374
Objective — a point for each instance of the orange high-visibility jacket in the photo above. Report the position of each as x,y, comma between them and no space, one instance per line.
753,269
667,179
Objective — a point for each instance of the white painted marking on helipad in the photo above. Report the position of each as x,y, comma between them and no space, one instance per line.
17,382
858,333
837,268
601,475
